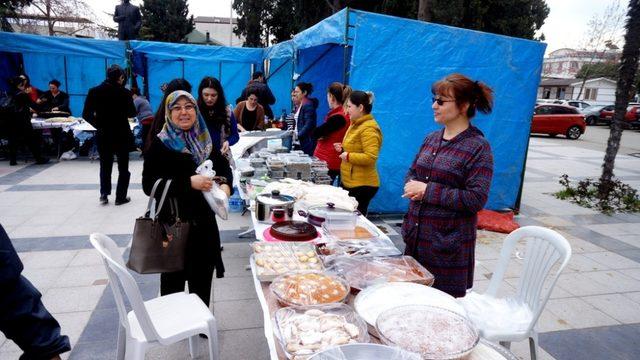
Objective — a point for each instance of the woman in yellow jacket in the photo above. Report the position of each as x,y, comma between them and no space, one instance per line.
359,150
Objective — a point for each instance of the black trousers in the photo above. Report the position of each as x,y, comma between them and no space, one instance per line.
203,247
21,132
363,194
106,168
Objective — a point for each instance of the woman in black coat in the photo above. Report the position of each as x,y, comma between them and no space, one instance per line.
175,153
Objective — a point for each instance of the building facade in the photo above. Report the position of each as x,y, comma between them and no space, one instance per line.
217,30
595,91
565,63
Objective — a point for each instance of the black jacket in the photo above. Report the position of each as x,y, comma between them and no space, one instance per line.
108,107
161,162
61,101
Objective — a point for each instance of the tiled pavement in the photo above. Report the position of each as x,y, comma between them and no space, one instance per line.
594,312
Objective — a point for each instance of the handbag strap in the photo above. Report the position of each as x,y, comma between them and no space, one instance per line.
152,197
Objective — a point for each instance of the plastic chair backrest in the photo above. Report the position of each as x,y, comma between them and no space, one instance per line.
120,278
544,249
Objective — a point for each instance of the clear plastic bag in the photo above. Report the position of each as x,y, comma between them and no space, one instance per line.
503,315
359,249
307,330
217,199
361,273
365,352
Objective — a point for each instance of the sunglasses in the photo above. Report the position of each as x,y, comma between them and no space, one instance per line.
439,101
187,108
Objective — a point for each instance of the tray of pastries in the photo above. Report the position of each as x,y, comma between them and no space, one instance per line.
304,288
274,259
304,331
433,332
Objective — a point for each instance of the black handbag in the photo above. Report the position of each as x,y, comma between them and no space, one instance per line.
158,246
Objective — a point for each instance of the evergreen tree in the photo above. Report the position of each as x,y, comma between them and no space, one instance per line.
8,10
285,18
165,20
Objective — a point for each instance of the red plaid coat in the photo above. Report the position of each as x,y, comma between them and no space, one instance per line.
440,230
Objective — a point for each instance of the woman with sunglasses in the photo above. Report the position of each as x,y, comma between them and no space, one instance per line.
175,152
448,183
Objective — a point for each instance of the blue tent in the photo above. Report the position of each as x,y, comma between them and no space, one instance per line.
161,62
398,59
78,64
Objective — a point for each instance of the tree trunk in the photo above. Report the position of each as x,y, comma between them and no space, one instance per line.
49,20
628,68
423,10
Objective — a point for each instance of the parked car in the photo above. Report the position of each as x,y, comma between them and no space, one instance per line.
555,119
578,104
631,117
592,113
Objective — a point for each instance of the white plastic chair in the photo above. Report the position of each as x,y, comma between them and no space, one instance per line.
162,321
515,318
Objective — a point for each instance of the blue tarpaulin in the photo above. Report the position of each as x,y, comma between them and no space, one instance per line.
398,59
78,64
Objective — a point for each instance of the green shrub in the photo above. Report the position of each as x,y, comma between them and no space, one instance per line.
619,197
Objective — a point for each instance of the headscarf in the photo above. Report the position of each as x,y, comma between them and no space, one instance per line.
195,141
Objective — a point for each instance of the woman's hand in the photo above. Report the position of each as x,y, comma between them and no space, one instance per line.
338,147
240,128
226,189
199,182
225,147
414,190
344,155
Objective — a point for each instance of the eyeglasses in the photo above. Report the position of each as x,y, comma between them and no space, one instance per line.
187,108
439,101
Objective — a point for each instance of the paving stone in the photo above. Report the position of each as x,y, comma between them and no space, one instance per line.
238,314
582,263
72,299
73,324
237,250
617,306
614,280
86,257
633,240
633,273
49,259
634,296
521,350
610,342
578,313
43,278
74,276
578,284
243,344
236,266
102,325
553,221
238,288
94,350
613,261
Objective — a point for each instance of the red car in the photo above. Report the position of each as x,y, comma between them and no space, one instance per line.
558,119
631,117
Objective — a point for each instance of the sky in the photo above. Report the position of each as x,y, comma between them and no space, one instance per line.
565,26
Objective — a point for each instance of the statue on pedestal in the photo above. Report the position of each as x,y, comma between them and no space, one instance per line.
129,20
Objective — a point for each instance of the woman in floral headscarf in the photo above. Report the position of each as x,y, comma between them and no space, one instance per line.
175,153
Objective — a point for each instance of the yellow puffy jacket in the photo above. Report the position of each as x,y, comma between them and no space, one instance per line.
362,141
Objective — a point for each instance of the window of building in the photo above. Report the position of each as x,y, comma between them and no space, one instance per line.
590,93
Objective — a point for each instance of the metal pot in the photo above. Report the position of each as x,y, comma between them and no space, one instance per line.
318,214
271,208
